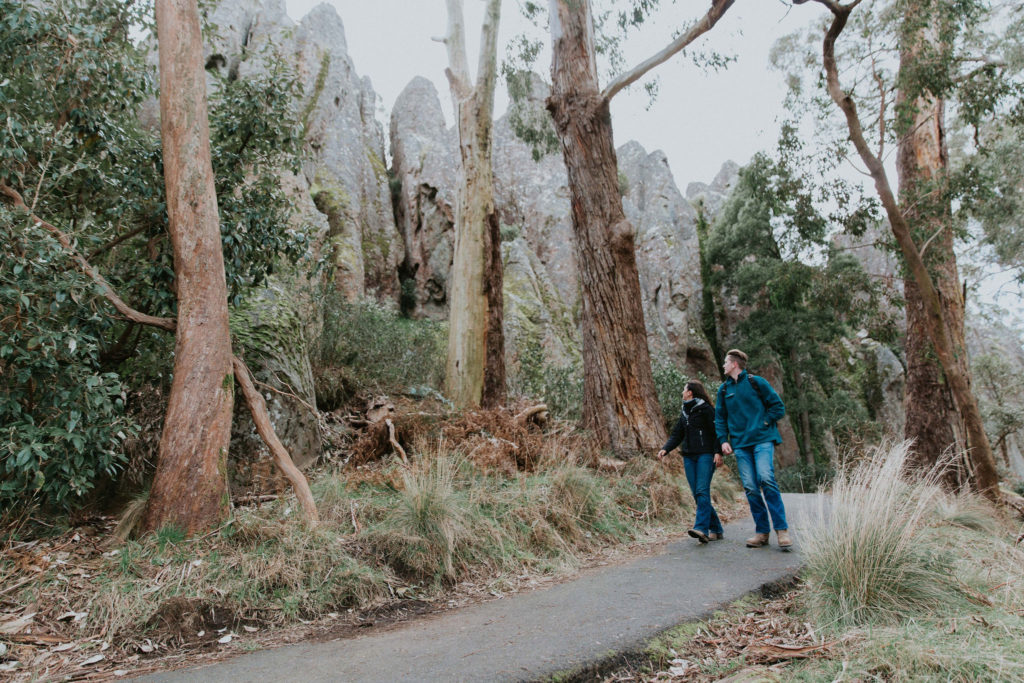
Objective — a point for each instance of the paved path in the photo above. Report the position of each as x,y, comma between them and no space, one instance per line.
603,612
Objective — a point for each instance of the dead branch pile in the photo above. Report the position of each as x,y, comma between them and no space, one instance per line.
502,440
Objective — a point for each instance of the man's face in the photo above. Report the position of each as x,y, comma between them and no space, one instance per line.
728,365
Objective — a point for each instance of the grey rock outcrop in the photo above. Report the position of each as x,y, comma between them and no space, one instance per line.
532,198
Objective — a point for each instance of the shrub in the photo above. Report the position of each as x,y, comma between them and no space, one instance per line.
376,349
62,420
869,563
803,478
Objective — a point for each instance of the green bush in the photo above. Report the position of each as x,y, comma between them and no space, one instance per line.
560,386
376,349
802,478
62,420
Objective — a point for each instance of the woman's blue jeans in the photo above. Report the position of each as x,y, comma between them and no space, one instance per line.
699,470
757,472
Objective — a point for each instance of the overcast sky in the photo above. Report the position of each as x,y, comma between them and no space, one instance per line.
699,119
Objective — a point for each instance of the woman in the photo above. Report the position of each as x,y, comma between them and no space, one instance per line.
694,433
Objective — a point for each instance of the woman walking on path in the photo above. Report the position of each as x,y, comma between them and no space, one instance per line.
694,433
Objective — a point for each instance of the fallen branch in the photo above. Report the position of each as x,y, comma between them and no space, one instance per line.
258,408
394,442
524,417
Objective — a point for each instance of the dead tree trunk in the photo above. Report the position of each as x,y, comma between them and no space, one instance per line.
938,325
475,372
190,487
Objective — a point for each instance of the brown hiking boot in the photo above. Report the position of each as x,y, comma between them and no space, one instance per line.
782,536
757,541
715,537
699,535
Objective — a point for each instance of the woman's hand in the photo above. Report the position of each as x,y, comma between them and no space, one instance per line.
661,454
718,460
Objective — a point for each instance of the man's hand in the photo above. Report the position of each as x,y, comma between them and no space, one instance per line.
726,448
718,460
661,454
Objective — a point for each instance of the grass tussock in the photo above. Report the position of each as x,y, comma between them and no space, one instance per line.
905,582
867,564
388,533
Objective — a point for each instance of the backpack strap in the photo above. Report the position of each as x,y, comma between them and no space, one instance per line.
757,389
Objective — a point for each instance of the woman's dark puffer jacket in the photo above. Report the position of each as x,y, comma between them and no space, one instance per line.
694,432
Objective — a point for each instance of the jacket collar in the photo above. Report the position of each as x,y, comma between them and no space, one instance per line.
739,378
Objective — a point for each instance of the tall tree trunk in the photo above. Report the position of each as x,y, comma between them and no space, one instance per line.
619,401
932,417
190,487
952,356
475,372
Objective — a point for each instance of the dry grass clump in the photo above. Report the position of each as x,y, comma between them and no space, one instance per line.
868,563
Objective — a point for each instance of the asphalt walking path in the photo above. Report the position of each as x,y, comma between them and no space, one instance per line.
603,613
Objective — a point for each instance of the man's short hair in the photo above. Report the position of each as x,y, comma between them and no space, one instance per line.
738,357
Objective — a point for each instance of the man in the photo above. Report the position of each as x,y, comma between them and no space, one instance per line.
746,413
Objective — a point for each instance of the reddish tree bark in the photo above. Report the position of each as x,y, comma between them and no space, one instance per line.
933,420
938,324
619,401
190,487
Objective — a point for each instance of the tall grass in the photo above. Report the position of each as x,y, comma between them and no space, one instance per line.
869,563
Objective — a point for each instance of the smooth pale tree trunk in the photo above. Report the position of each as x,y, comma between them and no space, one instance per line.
475,370
619,401
936,323
190,487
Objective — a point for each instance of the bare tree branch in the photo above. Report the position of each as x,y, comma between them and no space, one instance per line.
15,199
718,8
258,408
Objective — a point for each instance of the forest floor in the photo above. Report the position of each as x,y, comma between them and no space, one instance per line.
580,626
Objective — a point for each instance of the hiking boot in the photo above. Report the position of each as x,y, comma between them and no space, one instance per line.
757,541
716,537
782,536
699,535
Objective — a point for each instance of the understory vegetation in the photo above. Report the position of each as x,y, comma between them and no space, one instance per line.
903,581
454,520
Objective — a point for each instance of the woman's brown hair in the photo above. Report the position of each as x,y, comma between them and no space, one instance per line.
698,391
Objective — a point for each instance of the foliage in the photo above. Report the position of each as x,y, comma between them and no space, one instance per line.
379,350
73,83
560,385
62,420
255,134
769,250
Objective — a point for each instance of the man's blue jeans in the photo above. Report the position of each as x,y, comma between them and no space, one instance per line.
699,470
757,472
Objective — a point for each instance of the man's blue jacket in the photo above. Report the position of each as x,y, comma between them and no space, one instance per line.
743,418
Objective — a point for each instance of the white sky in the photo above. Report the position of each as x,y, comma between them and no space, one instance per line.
699,120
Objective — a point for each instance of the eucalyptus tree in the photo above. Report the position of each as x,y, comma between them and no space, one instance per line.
191,484
620,403
939,396
475,369
82,187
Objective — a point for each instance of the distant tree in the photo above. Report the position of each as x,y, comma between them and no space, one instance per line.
770,250
620,403
475,372
921,224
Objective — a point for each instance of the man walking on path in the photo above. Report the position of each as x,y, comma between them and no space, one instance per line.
746,414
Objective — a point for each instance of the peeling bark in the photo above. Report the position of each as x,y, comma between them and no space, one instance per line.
475,371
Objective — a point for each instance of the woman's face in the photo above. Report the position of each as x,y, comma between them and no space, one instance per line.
687,394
